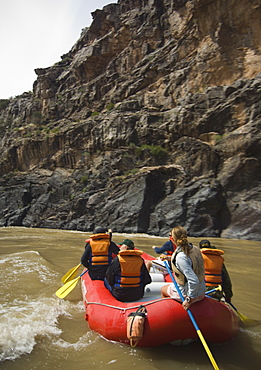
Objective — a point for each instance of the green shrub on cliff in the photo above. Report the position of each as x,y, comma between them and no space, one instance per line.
84,179
4,103
110,106
155,150
37,117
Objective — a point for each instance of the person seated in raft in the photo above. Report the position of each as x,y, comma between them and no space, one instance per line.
215,271
188,267
127,275
165,252
99,252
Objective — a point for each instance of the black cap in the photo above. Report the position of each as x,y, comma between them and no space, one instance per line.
204,244
100,230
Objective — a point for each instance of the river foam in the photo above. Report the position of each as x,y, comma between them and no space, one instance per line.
29,309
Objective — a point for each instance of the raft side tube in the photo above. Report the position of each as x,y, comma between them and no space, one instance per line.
157,277
154,289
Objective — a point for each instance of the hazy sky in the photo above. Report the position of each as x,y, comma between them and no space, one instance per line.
34,34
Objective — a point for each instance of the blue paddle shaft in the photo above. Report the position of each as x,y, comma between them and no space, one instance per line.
215,366
181,296
83,272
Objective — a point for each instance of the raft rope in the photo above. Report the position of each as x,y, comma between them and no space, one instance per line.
129,308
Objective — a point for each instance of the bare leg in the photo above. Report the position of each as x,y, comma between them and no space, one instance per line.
148,264
164,291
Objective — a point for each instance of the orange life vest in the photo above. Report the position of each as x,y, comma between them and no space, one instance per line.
213,263
100,249
131,263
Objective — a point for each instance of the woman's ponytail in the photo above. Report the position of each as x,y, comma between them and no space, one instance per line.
180,237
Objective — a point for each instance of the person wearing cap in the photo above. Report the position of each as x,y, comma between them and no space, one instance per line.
165,252
127,243
127,275
99,252
215,271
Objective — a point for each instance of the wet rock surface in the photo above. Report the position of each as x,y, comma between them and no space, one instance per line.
152,119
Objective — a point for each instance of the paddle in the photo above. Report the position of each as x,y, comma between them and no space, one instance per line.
68,287
71,274
246,321
212,360
213,290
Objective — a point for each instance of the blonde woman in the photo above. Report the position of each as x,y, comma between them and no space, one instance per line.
188,267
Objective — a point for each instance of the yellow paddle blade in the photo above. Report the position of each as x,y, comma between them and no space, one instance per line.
71,274
245,320
67,288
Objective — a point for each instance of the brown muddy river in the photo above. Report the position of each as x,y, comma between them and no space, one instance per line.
40,331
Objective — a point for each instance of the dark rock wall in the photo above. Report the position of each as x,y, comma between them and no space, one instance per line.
152,119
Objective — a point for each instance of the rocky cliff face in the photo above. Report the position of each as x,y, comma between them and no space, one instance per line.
152,119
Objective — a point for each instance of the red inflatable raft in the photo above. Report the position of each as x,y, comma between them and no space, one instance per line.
166,321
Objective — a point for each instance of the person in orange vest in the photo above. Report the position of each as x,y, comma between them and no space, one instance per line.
127,275
215,271
99,252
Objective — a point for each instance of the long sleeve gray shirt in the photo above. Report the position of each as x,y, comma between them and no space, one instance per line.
193,287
